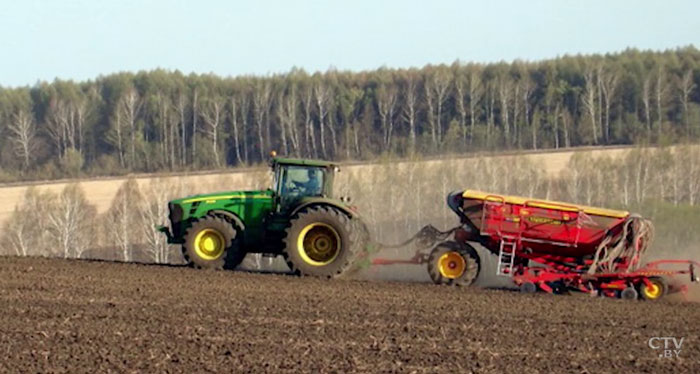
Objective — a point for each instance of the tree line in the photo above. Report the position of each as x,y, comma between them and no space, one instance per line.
166,121
662,184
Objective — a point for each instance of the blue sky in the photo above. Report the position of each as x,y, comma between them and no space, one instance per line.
81,39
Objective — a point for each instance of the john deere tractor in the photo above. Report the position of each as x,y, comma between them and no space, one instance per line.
297,218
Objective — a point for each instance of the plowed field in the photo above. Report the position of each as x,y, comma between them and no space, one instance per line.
59,316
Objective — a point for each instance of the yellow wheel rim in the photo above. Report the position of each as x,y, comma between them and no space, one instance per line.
318,244
652,291
452,265
209,244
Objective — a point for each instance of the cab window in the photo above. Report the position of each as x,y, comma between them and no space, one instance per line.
302,181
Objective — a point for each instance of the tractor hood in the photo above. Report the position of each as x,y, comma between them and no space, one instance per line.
219,197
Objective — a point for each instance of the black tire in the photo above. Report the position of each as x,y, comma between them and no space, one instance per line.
231,255
308,234
646,295
471,264
528,287
629,293
361,248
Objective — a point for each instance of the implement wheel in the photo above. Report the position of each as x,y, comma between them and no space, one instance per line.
319,242
656,290
453,264
211,243
629,293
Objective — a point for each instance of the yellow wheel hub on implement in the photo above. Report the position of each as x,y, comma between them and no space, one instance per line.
451,265
318,244
209,244
652,291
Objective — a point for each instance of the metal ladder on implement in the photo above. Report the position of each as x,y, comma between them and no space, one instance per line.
506,256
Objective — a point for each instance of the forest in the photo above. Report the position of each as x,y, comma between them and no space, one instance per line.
157,121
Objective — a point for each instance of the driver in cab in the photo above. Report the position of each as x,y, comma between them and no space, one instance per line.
313,185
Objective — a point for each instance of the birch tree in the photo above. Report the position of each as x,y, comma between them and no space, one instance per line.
25,232
70,222
129,108
386,107
410,110
153,210
322,95
261,108
476,91
123,221
589,97
436,89
609,81
685,89
661,89
212,113
23,130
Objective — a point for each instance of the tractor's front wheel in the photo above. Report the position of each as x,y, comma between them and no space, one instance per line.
319,242
454,264
211,243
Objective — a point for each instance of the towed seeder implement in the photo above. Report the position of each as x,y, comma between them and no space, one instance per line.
548,246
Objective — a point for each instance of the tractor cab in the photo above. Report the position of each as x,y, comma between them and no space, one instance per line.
295,180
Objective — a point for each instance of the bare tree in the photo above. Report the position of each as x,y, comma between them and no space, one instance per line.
504,91
212,112
261,108
153,211
309,136
608,84
70,222
195,116
290,114
165,122
282,121
244,105
661,89
181,110
490,110
235,107
685,89
566,120
116,137
527,88
386,107
436,89
57,123
322,95
23,130
646,100
589,97
460,95
410,110
129,107
25,232
123,219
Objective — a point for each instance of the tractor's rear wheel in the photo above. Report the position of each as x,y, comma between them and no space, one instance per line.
454,264
211,243
656,290
319,242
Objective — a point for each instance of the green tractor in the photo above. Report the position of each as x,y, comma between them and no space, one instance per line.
297,218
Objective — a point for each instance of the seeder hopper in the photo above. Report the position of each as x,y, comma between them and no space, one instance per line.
550,246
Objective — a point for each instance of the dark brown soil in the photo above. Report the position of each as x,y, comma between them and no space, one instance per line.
60,316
